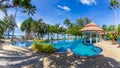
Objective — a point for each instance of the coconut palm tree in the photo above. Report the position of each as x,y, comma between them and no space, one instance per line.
57,30
67,23
86,20
3,9
1,28
80,22
8,23
114,4
26,27
111,28
25,5
105,28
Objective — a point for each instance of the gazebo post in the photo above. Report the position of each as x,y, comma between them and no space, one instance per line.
84,37
90,37
96,37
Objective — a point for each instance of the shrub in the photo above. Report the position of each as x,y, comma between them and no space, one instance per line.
23,37
44,48
119,36
40,41
111,37
47,48
36,47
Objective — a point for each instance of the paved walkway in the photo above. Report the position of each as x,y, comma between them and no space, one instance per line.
15,57
109,50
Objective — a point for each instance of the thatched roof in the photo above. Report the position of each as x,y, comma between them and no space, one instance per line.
92,27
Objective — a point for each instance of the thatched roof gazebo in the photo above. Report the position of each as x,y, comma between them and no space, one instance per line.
92,28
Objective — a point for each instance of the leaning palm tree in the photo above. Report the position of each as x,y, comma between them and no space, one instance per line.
27,8
114,4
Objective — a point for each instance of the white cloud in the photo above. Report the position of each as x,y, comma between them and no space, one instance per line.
18,24
66,8
88,2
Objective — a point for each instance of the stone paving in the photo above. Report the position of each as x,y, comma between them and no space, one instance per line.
12,57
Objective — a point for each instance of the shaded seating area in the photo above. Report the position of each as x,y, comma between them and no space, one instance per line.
92,33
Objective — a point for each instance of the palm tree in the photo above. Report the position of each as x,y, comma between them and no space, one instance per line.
25,5
8,23
30,10
104,27
80,22
67,23
1,28
111,28
26,27
57,30
52,30
87,20
3,9
114,4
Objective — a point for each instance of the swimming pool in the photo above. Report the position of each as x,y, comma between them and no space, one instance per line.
76,46
118,40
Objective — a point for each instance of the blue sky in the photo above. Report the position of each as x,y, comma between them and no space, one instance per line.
56,11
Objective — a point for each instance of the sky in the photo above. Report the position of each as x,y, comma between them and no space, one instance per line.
56,11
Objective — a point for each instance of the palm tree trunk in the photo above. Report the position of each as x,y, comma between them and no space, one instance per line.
14,22
57,36
51,35
8,33
48,36
115,15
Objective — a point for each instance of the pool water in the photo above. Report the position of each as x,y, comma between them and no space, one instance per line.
118,40
76,46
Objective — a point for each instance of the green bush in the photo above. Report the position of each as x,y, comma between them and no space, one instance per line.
40,41
119,36
111,37
23,37
36,47
44,48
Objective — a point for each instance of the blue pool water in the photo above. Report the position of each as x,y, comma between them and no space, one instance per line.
118,40
76,46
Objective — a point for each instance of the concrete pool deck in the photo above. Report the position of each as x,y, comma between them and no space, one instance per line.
109,50
110,58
